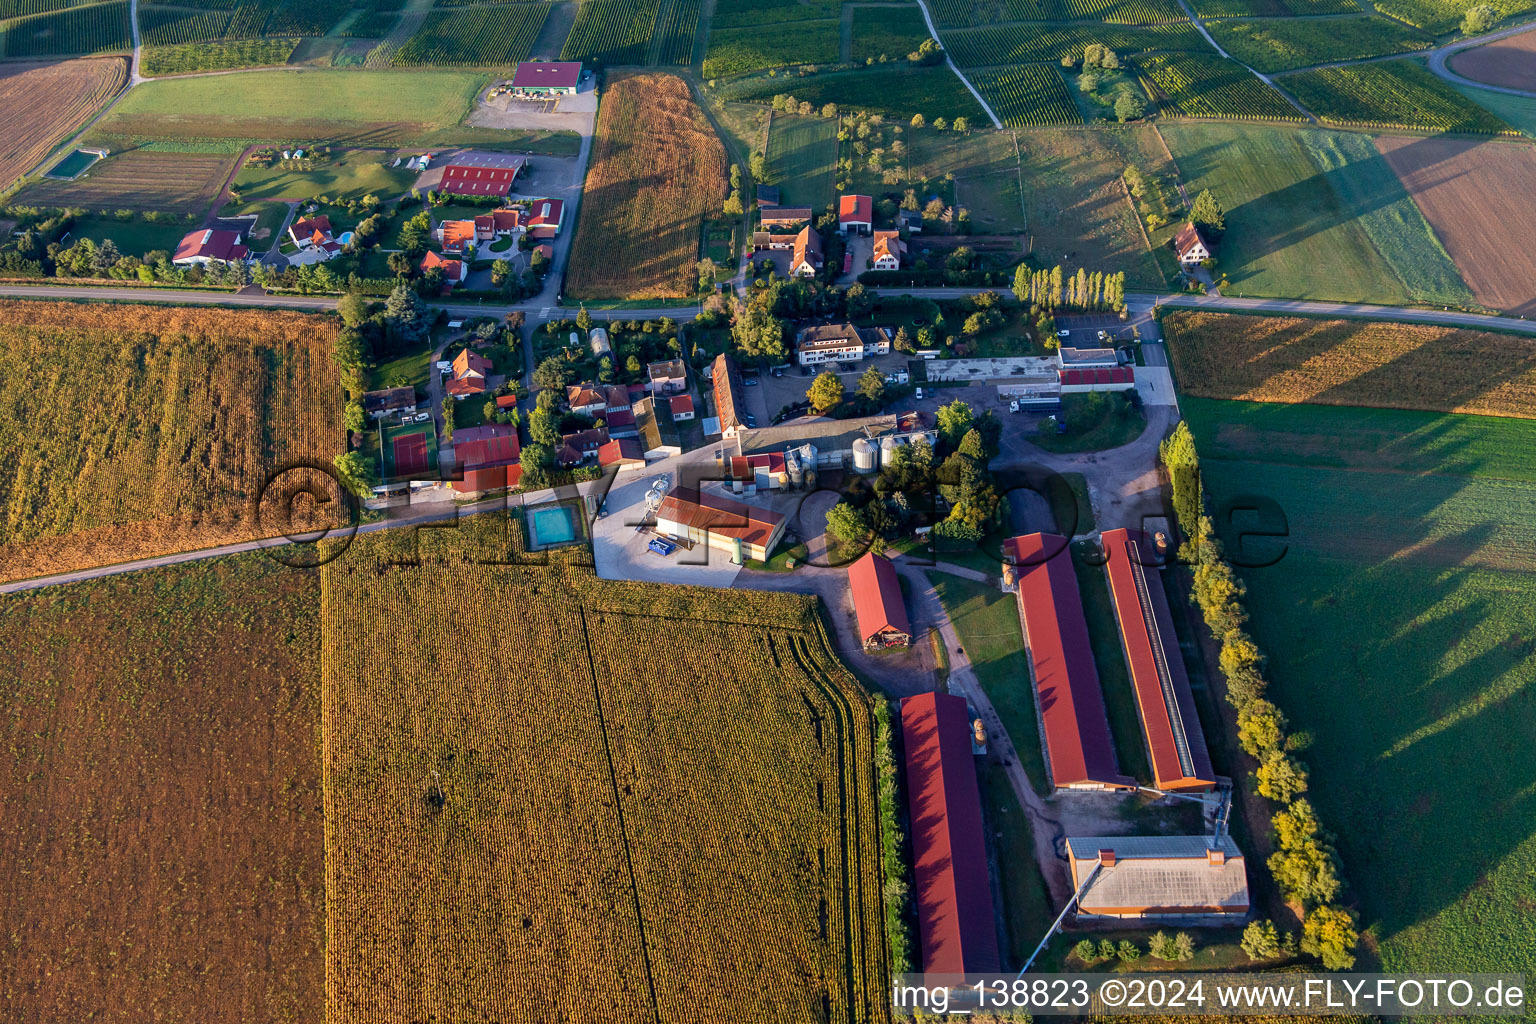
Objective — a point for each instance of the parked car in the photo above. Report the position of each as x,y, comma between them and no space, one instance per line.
1063,334
422,417
662,546
751,382
919,394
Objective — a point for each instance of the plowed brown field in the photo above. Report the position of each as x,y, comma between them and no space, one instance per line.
41,104
1476,195
1509,62
178,182
163,838
657,169
1352,362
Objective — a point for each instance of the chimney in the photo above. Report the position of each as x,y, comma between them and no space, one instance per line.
1215,856
1107,858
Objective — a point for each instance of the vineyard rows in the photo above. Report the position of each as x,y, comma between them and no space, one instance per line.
1279,44
976,13
217,56
162,26
675,31
21,8
371,23
1123,12
1038,44
306,17
611,32
1208,9
475,36
95,28
1029,96
1439,16
1394,94
1213,87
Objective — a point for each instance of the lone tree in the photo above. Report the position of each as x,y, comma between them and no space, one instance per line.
872,385
825,392
1208,215
1261,940
1129,107
1478,20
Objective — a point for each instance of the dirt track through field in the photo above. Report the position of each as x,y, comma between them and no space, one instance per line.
1509,63
1475,195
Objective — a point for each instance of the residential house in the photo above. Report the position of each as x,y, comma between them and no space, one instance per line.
807,259
730,407
455,235
480,174
545,218
784,216
202,247
1191,247
390,401
454,271
314,234
910,221
586,399
667,377
682,408
486,458
889,249
498,224
579,447
623,452
855,214
839,343
547,78
767,240
468,376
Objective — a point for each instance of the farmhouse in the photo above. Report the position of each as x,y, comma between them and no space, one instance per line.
1190,246
480,174
623,452
729,407
768,240
314,234
545,218
839,343
807,258
855,214
1079,753
579,447
468,375
889,249
949,853
667,377
200,248
455,235
682,407
877,603
546,78
586,399
1179,879
498,223
743,531
377,404
454,271
486,458
784,216
1175,745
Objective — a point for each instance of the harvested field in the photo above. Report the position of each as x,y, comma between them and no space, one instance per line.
132,431
139,180
1352,362
1475,195
657,169
1509,62
477,834
163,840
41,104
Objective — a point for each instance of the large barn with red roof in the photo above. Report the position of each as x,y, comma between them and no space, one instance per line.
1079,752
877,603
949,851
1175,745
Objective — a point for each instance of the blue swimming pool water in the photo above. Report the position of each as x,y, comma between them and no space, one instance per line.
552,526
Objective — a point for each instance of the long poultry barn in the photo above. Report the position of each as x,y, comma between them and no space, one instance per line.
1079,753
1175,745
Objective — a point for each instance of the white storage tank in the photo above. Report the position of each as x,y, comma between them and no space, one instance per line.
866,457
793,468
888,448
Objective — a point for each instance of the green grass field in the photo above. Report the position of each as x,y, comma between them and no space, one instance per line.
987,622
986,170
896,88
1279,44
1399,631
1518,111
350,175
887,32
740,51
1290,233
802,159
1027,908
134,238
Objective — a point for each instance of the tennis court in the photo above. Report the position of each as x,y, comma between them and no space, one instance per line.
409,450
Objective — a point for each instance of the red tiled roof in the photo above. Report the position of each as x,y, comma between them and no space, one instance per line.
1099,375
877,597
1187,238
453,270
620,449
807,248
310,225
1077,741
949,869
546,213
482,174
456,234
213,245
727,386
541,74
619,418
1168,718
681,404
720,516
506,401
579,396
855,209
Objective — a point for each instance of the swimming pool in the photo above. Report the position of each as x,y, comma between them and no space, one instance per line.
344,238
548,527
